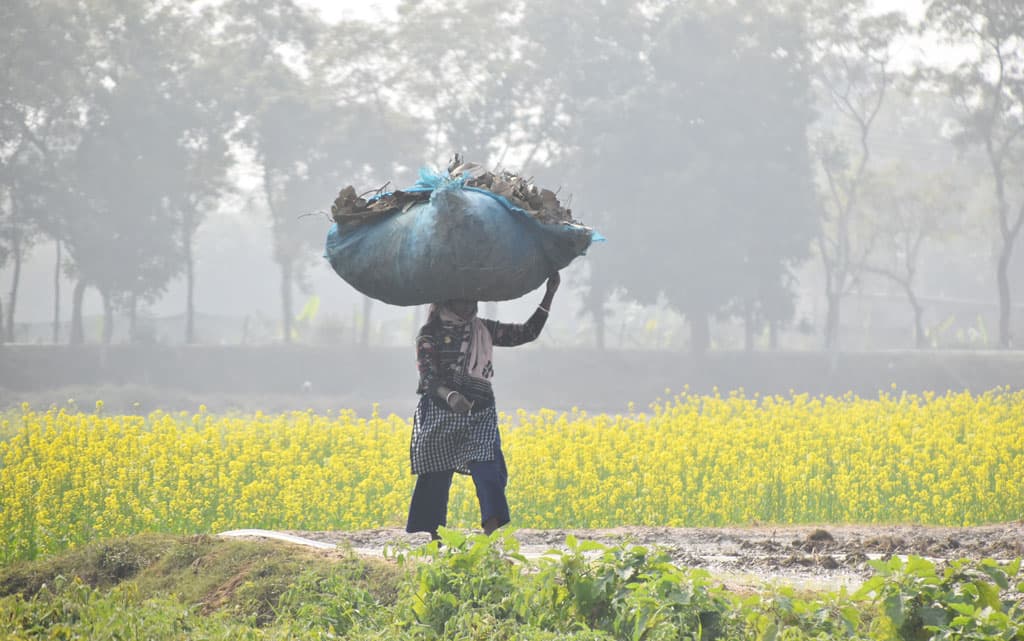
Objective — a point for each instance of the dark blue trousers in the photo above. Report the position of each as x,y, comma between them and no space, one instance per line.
429,506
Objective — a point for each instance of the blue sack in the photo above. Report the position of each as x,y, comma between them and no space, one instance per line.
464,243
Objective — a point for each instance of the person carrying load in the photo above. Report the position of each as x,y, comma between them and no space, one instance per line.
455,427
449,241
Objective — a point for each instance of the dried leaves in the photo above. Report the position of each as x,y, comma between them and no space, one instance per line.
543,204
351,208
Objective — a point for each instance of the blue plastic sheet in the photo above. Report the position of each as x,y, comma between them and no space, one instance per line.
464,243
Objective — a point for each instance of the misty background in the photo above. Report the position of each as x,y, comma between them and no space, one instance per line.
825,176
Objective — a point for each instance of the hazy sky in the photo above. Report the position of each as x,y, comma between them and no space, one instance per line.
913,48
336,9
333,10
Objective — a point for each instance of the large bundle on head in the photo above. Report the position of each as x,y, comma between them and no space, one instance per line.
466,234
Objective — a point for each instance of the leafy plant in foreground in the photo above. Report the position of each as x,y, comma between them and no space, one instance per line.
967,600
783,614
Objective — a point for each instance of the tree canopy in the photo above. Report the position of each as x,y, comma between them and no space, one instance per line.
720,147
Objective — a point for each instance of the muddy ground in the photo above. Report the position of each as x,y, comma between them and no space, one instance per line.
814,557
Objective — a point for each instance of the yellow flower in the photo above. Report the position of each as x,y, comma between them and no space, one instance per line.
67,477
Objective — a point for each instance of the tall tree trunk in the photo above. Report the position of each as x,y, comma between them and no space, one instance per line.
833,301
700,333
832,297
920,340
748,326
286,299
1003,281
594,303
56,295
77,331
773,335
12,302
285,258
190,282
920,336
108,317
133,318
1009,230
364,339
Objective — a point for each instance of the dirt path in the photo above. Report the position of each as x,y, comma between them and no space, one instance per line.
824,557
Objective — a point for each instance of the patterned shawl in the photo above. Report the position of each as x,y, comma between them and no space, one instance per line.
477,348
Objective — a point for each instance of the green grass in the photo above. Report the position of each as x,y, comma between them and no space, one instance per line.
245,578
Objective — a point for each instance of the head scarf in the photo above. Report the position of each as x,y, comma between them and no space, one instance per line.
477,348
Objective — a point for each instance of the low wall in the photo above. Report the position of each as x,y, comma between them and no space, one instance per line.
527,377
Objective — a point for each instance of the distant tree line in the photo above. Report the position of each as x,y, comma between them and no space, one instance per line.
720,145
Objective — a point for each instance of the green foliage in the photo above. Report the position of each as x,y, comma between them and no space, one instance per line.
103,564
721,98
967,600
316,601
626,592
633,592
462,579
481,587
70,609
785,615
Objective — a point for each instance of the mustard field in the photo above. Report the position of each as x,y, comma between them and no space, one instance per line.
67,478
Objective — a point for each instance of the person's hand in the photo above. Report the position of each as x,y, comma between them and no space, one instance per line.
553,282
459,403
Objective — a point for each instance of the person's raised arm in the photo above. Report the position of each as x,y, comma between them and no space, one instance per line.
513,334
549,292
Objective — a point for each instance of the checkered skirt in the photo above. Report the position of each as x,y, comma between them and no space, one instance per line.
443,440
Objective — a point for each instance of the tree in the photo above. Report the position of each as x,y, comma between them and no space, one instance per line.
207,155
107,142
773,163
131,164
853,53
710,183
371,139
308,111
207,160
120,231
581,64
269,101
38,122
989,88
911,209
453,71
19,228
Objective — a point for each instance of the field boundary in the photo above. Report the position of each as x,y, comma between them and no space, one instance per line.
527,378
